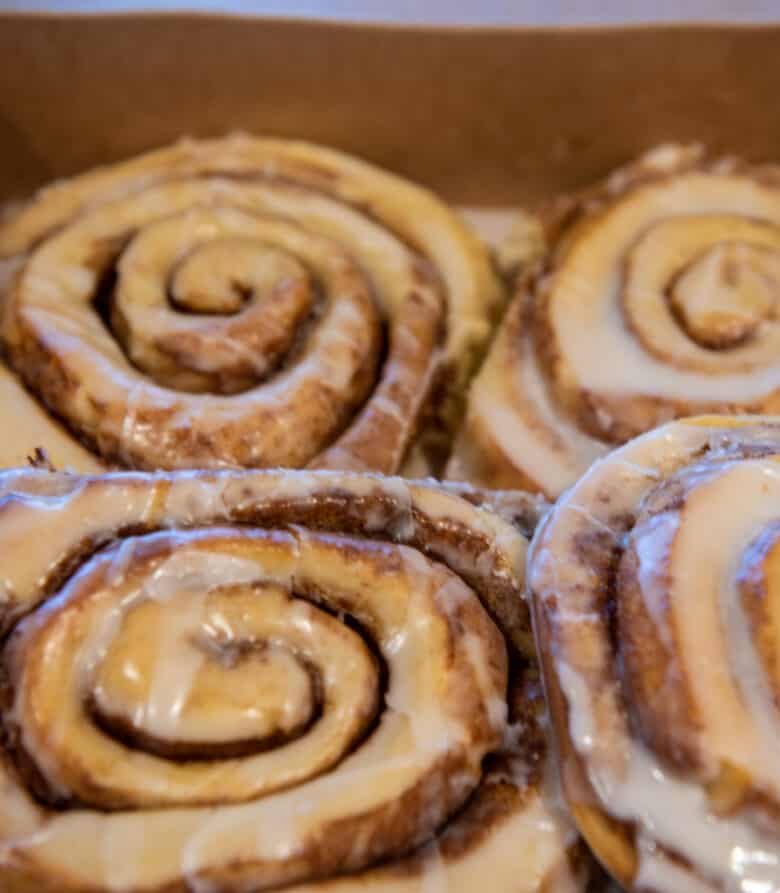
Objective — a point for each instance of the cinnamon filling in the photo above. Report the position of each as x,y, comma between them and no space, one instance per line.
226,304
270,679
656,299
653,584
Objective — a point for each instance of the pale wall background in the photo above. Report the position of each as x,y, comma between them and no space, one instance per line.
458,12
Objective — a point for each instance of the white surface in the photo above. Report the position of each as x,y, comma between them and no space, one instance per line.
486,12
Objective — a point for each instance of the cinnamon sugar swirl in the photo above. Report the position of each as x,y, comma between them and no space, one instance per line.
655,593
657,298
242,302
233,681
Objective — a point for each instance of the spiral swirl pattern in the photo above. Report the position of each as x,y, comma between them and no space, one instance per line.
233,681
655,594
657,299
244,302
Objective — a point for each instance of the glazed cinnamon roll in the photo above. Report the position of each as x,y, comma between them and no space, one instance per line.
243,302
655,594
234,681
657,298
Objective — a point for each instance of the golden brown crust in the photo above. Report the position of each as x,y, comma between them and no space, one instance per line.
646,581
657,299
245,302
285,680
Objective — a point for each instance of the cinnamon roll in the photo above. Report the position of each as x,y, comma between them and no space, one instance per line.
655,596
657,298
230,681
242,302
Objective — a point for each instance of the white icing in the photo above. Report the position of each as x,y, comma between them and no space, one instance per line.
590,285
517,410
180,577
651,551
350,225
734,851
27,426
636,281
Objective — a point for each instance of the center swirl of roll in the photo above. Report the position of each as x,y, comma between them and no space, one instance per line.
700,292
723,296
205,301
188,657
211,300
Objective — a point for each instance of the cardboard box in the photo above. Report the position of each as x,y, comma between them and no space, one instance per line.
489,117
485,116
